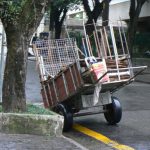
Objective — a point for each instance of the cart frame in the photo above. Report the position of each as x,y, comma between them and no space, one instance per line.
71,83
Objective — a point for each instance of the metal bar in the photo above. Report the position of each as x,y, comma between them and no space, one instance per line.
89,113
90,48
96,43
120,56
104,48
107,42
121,40
86,37
115,49
125,39
129,61
130,80
95,106
139,67
84,47
97,39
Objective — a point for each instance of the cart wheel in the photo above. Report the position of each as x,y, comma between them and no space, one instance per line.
114,113
68,116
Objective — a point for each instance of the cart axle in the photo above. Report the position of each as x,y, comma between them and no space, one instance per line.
89,113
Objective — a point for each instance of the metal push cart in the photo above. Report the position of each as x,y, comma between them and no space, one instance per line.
75,80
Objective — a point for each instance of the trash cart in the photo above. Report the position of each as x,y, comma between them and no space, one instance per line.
73,81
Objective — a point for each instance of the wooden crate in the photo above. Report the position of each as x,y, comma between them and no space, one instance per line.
60,88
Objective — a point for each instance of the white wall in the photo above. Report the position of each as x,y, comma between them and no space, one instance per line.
121,10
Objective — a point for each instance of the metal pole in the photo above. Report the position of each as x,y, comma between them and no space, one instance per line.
96,43
106,38
104,53
2,64
86,38
96,33
115,49
86,55
120,34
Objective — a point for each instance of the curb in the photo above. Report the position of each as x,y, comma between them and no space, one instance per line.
15,123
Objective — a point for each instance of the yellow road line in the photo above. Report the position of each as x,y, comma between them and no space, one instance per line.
101,138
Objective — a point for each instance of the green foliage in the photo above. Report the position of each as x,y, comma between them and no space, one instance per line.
141,44
11,9
33,109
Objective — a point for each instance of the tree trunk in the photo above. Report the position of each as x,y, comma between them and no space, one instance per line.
14,98
19,31
134,16
57,17
105,13
58,28
92,15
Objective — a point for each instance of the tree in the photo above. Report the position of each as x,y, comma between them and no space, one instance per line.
20,19
58,11
94,13
134,12
105,12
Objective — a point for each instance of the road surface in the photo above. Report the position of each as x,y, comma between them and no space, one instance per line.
133,131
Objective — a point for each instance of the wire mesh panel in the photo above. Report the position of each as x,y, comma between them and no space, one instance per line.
55,55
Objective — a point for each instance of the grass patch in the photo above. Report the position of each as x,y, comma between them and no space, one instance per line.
33,109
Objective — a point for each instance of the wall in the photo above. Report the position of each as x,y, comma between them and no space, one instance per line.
121,10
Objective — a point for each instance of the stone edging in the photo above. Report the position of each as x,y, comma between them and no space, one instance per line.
35,124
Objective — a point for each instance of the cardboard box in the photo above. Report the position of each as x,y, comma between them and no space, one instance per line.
97,70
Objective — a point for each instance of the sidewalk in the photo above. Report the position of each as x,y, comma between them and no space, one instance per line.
32,142
36,142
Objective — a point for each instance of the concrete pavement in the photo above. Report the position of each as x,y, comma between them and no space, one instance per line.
32,142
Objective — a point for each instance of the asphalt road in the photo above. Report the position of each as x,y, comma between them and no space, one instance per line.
132,131
134,128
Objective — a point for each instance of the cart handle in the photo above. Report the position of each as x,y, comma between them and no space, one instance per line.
131,79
